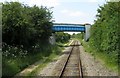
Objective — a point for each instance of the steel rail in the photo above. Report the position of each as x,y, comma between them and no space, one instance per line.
65,64
79,64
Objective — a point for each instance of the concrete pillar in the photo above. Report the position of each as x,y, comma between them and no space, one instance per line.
87,32
52,39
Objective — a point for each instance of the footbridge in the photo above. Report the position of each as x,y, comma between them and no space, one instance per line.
68,28
64,27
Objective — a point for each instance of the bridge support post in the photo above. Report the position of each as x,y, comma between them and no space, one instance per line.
87,32
52,39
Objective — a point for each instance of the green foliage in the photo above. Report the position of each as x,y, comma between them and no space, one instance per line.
104,41
55,51
24,31
24,25
14,63
62,37
78,36
105,34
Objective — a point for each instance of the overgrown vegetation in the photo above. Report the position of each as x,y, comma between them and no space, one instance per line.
22,59
62,37
25,33
24,25
105,35
56,51
62,40
105,32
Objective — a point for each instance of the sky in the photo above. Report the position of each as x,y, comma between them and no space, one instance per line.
69,11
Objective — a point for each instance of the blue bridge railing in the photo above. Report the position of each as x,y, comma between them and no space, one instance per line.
68,28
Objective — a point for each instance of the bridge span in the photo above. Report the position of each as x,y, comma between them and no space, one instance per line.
63,27
68,28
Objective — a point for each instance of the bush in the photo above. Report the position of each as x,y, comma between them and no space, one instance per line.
24,31
62,37
104,32
24,25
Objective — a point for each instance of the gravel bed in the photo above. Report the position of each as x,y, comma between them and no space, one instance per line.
53,68
92,66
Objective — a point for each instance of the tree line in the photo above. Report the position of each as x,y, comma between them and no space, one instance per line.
25,35
62,37
105,33
25,25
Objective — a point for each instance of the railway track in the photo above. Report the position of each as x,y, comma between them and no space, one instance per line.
72,66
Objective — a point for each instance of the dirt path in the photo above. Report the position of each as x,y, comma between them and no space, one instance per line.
29,69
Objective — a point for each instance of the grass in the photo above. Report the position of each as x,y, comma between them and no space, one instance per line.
104,58
13,65
107,61
43,64
53,56
65,44
16,59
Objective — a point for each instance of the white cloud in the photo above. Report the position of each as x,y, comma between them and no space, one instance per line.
48,3
72,13
76,14
64,11
92,0
10,1
21,1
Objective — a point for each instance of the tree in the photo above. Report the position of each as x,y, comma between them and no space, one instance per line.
62,37
105,31
24,25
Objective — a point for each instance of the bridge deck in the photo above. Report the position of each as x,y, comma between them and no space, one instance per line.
69,28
